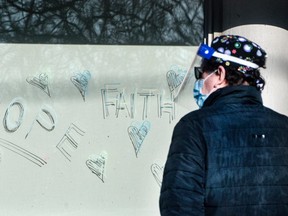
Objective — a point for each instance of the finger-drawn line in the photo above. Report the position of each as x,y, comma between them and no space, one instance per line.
109,97
174,80
113,96
132,105
22,152
166,106
137,134
49,126
146,93
70,141
121,104
19,103
157,172
96,163
175,76
41,82
51,120
81,80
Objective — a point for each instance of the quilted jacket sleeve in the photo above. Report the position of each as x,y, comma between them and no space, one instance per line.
182,191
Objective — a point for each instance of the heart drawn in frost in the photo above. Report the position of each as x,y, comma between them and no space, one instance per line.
40,82
174,79
137,133
157,172
96,163
81,81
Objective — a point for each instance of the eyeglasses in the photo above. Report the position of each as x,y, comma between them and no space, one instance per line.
198,72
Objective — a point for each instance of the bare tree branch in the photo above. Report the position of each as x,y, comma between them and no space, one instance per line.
102,21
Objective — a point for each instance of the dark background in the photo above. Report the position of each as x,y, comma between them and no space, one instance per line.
138,22
221,15
132,22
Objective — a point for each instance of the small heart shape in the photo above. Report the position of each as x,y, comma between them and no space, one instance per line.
157,172
81,82
41,83
96,163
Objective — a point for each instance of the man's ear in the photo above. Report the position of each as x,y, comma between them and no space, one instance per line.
221,81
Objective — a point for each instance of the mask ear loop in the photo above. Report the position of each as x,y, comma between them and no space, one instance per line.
215,71
207,78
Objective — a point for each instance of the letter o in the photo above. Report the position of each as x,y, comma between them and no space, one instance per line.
7,123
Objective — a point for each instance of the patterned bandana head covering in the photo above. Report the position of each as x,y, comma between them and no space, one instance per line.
239,47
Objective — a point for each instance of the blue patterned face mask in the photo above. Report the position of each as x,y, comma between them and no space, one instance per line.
198,95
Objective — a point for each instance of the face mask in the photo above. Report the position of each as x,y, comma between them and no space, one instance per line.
198,95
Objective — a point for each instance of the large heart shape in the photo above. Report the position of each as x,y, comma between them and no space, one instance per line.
174,79
137,133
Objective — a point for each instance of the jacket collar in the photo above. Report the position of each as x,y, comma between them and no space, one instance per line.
234,95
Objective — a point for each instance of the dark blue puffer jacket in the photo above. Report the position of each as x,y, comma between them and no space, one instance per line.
229,158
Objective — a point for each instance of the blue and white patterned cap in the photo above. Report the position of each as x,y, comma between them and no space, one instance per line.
239,47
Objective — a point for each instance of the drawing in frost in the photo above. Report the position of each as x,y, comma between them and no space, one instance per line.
70,141
146,94
49,115
113,96
96,163
40,82
137,133
157,172
10,123
22,152
15,113
166,105
175,77
81,81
